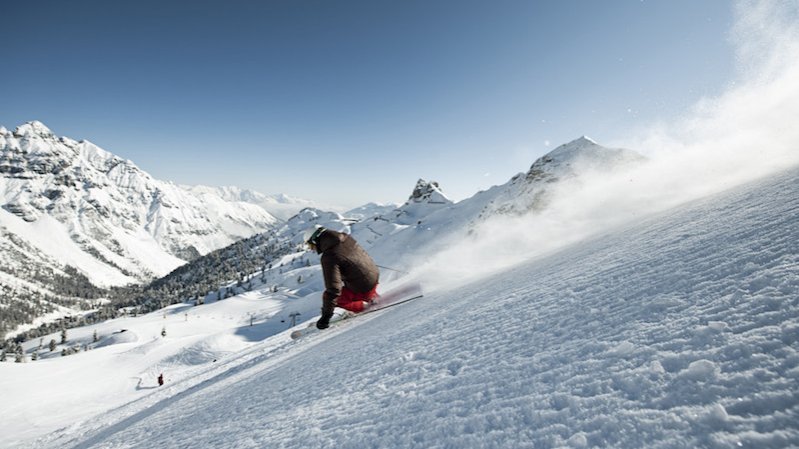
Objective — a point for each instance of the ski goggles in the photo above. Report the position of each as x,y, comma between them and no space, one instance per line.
314,239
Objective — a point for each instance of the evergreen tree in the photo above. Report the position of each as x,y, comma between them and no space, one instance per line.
52,345
3,356
63,335
94,337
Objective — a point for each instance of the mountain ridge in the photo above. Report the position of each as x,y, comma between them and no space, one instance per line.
103,200
388,231
72,213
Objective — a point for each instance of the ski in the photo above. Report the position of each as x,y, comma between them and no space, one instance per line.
379,307
337,318
395,297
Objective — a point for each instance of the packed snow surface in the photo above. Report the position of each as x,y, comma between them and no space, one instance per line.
679,330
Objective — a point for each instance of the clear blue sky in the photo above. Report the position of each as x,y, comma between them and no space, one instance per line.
346,102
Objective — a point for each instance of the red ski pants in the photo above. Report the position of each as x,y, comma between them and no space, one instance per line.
355,302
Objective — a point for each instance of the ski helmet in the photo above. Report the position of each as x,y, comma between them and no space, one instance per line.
311,235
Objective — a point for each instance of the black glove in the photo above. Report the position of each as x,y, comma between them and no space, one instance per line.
324,320
323,323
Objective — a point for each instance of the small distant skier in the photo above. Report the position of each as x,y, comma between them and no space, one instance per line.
161,379
351,276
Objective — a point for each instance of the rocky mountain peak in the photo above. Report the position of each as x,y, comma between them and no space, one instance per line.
581,153
428,192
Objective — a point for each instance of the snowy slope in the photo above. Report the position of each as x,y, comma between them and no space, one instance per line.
679,330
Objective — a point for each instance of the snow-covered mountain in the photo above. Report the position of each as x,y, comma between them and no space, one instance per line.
281,205
429,221
678,329
135,226
370,210
529,191
396,235
71,211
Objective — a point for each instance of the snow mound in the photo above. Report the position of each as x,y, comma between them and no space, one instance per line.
207,350
123,336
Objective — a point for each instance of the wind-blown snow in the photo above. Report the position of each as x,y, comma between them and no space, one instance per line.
680,330
748,130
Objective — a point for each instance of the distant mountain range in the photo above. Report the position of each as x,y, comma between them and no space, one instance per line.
280,205
76,218
400,236
106,217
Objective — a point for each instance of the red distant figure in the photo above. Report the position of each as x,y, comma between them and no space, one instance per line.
161,379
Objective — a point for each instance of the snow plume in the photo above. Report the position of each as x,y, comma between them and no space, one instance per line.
578,208
747,132
766,36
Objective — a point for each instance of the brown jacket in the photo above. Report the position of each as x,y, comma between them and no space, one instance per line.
344,264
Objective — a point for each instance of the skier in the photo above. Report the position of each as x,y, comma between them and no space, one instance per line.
351,276
161,379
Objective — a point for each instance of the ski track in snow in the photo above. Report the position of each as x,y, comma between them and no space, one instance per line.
677,331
